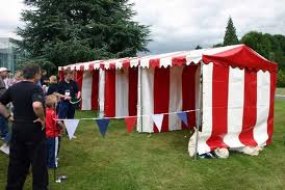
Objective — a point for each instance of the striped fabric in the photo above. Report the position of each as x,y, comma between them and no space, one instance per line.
88,85
235,93
120,94
237,107
165,90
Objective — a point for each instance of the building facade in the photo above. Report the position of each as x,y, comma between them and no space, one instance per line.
8,54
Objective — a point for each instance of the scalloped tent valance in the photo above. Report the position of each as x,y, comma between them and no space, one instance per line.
235,56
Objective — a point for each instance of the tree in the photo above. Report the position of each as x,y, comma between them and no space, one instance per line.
258,42
230,37
271,47
198,47
60,32
218,45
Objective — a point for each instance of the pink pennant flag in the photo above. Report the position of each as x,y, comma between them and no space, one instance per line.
130,123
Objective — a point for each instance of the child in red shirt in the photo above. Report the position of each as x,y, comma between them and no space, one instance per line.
53,129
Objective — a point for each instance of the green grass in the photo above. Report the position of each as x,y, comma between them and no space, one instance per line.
280,91
122,161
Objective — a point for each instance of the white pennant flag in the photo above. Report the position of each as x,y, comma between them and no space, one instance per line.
157,119
71,126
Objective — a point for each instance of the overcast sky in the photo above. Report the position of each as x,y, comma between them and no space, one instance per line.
183,24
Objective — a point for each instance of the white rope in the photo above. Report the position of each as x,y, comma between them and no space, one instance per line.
122,117
149,115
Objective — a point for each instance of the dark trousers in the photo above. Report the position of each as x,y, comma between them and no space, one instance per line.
52,148
65,110
3,127
27,147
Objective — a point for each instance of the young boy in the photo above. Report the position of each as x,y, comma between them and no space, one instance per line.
53,129
52,88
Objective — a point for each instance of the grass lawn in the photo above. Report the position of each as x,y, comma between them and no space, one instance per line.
122,161
280,91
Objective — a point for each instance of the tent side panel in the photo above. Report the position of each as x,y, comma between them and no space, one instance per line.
79,78
270,120
220,105
101,92
133,91
235,108
207,88
95,90
263,104
161,95
86,90
189,94
175,98
122,92
249,108
198,96
60,75
110,93
147,83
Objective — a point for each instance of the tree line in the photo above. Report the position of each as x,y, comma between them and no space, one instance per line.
269,46
60,32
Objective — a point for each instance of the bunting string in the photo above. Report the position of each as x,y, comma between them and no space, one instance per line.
130,121
150,115
137,116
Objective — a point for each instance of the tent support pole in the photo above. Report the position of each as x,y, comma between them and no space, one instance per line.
101,92
139,104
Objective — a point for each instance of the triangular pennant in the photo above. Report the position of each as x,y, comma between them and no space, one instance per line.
71,126
157,119
103,125
183,117
130,123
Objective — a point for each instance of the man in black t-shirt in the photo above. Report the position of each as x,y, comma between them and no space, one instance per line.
68,89
27,146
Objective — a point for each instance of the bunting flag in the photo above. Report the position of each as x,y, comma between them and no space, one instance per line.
71,126
130,123
183,117
103,125
157,119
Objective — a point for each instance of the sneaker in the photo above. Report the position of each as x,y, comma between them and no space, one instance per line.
207,155
74,137
5,148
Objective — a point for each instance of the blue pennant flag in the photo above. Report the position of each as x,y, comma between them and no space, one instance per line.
103,125
183,117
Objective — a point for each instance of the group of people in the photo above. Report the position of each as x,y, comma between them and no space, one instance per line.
36,114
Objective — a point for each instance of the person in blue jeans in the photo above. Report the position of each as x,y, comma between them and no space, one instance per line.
68,89
3,121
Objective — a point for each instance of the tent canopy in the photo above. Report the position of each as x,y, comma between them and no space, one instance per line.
235,56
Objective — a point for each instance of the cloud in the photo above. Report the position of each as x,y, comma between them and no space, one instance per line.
10,12
183,24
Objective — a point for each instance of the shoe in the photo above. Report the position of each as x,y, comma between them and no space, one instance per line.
5,148
74,137
207,155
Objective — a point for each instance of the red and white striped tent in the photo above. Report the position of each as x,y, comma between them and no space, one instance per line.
229,92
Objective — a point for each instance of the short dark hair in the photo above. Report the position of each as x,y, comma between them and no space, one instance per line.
30,70
67,71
